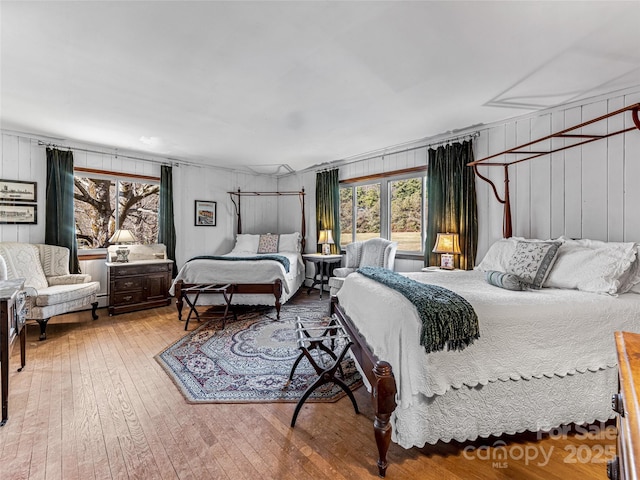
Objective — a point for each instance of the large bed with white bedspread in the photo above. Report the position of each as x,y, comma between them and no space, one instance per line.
545,357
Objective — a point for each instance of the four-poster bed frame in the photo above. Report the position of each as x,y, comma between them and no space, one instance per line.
379,373
274,288
582,139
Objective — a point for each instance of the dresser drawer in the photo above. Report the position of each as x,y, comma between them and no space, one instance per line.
140,269
125,298
125,284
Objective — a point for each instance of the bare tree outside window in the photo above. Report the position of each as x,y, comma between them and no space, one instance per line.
104,205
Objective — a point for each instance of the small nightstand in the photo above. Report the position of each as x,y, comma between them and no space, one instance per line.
138,285
323,268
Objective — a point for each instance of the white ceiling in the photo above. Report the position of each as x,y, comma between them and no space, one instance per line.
276,86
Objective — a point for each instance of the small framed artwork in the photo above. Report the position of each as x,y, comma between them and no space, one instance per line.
205,214
18,191
12,213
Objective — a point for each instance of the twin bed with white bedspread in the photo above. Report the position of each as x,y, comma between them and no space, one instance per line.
257,281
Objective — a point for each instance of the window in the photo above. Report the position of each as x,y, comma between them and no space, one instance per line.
406,202
392,207
104,203
367,212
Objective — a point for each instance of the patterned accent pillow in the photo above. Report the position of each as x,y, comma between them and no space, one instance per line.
504,280
268,243
532,261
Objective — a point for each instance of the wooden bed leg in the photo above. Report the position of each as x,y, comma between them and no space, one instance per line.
179,300
277,292
384,403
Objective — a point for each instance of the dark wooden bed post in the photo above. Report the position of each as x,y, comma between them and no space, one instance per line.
303,228
179,301
384,403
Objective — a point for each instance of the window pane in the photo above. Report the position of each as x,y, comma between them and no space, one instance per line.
346,215
406,214
94,206
368,211
138,210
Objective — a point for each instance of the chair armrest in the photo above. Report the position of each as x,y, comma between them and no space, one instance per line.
69,279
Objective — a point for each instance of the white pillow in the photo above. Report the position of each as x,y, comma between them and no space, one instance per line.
592,266
290,242
631,277
246,243
499,255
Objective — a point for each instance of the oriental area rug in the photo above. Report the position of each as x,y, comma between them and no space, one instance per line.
249,361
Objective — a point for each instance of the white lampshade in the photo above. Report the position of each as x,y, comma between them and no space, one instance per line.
447,243
122,236
325,237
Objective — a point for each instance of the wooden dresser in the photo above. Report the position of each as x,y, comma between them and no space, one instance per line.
626,403
138,285
12,318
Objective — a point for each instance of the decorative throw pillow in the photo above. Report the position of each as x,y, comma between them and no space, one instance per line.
532,261
268,243
504,280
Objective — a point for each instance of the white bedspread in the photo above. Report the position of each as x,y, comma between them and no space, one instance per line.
240,271
523,334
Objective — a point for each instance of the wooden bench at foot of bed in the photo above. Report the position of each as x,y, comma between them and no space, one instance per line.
383,385
274,289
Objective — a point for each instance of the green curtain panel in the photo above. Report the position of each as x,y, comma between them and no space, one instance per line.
452,207
60,224
166,226
328,206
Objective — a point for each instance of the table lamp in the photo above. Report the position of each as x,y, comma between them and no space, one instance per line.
447,245
326,239
121,237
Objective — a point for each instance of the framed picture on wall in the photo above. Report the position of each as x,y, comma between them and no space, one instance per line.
18,191
17,214
205,213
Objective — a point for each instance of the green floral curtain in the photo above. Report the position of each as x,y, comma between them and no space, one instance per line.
328,205
166,227
60,224
451,197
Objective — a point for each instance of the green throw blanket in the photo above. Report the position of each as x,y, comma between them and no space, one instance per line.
447,318
278,258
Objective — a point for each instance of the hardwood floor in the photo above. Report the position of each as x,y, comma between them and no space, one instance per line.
92,403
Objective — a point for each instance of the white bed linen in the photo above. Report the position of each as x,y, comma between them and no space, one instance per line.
524,335
240,271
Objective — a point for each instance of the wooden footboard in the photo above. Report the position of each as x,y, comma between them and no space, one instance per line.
383,385
274,289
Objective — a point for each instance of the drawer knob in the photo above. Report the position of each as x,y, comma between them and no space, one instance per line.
128,284
127,298
617,404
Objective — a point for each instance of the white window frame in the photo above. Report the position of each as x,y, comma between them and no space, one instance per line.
385,205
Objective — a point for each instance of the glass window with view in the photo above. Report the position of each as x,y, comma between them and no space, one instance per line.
393,208
103,205
406,201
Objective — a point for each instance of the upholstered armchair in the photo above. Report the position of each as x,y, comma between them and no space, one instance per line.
375,252
51,289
